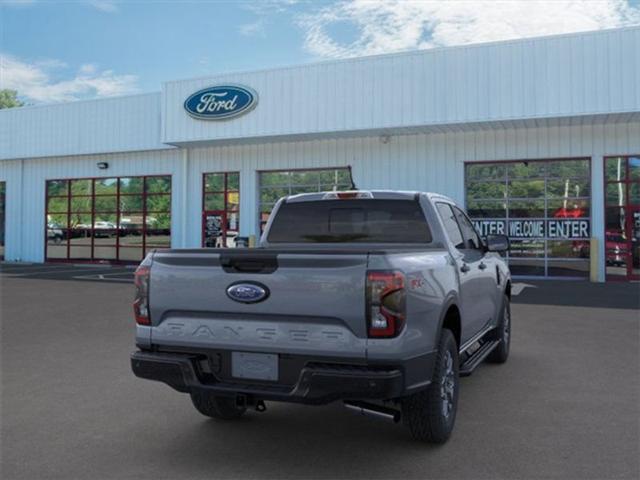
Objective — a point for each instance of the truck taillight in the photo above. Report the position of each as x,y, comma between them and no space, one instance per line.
385,303
141,301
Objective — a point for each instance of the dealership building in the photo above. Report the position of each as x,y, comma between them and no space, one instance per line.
538,139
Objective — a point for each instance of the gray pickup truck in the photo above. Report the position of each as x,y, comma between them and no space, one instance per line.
378,299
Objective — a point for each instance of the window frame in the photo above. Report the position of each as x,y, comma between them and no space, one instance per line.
505,178
145,246
627,207
225,211
289,185
466,239
455,221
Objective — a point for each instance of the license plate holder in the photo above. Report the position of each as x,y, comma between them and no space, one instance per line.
254,366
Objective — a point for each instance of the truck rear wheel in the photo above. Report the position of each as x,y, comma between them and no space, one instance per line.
431,413
223,408
502,334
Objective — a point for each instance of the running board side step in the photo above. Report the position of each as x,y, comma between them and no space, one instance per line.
472,361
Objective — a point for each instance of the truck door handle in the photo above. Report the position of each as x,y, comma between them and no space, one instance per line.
482,266
464,268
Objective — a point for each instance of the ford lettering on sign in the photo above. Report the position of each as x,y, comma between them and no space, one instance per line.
221,102
247,292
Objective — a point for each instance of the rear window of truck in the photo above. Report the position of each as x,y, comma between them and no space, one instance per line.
350,221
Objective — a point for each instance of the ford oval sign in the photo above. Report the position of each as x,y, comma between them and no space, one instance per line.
221,102
247,292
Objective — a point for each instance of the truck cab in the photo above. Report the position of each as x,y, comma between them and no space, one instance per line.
378,299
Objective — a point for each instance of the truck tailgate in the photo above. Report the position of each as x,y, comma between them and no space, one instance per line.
315,303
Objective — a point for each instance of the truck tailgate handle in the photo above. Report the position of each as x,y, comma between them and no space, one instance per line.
249,263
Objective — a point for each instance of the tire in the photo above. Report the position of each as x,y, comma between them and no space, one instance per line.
221,408
431,413
502,334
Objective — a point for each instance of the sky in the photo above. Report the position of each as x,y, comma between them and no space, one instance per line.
56,51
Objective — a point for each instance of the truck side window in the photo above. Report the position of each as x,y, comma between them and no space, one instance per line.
471,238
450,224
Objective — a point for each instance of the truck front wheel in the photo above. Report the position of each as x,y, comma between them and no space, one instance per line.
502,334
431,413
223,408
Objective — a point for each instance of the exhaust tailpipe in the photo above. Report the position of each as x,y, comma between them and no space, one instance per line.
372,410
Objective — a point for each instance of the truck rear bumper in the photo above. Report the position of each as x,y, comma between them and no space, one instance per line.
318,383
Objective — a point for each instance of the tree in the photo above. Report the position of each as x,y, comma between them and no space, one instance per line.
9,99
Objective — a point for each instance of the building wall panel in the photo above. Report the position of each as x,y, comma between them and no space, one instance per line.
119,124
425,161
561,76
26,191
11,174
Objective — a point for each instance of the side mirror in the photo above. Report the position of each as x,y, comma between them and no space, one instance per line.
497,243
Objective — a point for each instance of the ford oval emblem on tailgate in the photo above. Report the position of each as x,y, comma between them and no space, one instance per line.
247,292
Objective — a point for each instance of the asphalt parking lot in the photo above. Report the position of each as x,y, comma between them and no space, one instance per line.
565,405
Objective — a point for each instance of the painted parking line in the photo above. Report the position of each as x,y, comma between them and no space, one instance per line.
518,288
100,278
107,277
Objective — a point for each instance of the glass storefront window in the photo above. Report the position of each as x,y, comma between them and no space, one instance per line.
544,206
569,188
158,203
634,193
157,185
106,204
131,203
487,208
634,168
569,208
58,204
81,204
220,209
485,172
81,187
277,184
526,208
530,188
214,201
622,217
111,219
615,169
486,190
530,268
528,248
568,169
616,194
525,169
58,187
131,185
106,186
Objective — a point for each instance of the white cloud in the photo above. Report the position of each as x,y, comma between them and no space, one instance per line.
394,25
253,29
88,69
35,81
263,7
50,63
108,6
